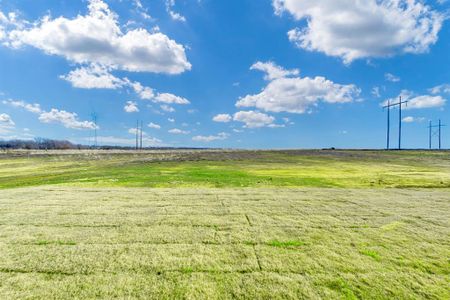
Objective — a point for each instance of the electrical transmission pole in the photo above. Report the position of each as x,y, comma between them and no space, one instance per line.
430,130
137,135
388,123
388,106
438,133
440,126
142,125
94,120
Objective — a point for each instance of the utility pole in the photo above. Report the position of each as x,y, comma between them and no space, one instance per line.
142,125
430,128
94,120
400,123
388,123
440,126
388,106
137,134
438,133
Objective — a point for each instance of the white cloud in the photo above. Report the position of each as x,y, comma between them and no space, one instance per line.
133,131
223,118
154,126
131,107
141,10
10,21
6,121
211,138
425,101
276,125
171,120
98,38
273,71
34,108
93,77
67,119
410,119
298,95
443,88
376,92
253,119
418,101
170,99
355,29
178,131
174,15
391,77
147,93
144,92
99,77
167,108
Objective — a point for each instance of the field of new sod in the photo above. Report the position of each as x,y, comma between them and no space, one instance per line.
210,224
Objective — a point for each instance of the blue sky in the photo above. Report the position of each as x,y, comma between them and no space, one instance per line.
238,74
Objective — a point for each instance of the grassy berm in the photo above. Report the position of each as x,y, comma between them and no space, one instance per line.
225,225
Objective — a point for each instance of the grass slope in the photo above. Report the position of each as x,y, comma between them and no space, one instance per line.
68,242
349,169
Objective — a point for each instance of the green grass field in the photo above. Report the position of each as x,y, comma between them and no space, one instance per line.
225,224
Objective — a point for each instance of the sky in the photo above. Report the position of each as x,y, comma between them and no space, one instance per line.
263,74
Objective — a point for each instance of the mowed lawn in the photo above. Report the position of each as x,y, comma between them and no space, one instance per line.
378,229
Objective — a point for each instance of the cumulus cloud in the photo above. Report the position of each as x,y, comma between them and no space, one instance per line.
354,29
170,99
67,119
131,107
297,94
376,92
391,77
167,108
210,138
223,118
410,119
253,119
33,108
154,126
178,131
93,77
418,101
144,92
98,38
97,76
6,121
440,89
425,101
174,15
273,71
